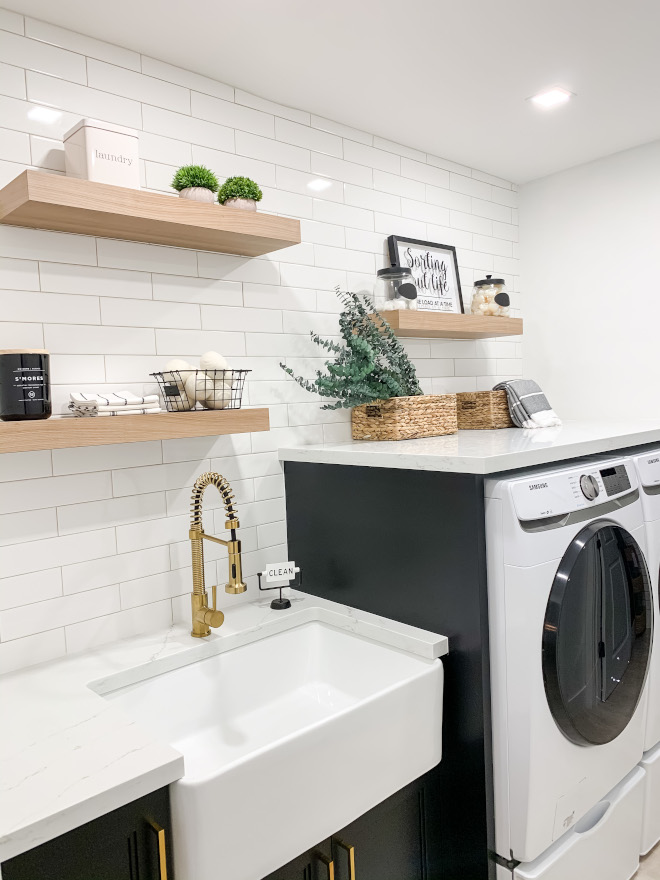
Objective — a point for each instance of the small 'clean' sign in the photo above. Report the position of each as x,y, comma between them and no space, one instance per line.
280,571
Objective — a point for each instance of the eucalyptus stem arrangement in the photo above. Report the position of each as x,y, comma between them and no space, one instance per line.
370,366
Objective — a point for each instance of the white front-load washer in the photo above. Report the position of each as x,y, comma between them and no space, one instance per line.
647,464
570,641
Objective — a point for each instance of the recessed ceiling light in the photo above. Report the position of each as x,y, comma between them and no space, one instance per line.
551,97
319,184
44,114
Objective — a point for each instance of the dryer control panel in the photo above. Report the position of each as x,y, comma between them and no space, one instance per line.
648,468
562,492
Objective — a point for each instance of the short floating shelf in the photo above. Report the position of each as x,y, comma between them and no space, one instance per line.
65,204
105,430
451,326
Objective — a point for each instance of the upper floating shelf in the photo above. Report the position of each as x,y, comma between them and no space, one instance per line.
434,325
107,430
51,201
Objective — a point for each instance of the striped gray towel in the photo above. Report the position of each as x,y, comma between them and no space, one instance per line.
528,405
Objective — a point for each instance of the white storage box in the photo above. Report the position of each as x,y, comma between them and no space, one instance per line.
102,152
603,845
651,823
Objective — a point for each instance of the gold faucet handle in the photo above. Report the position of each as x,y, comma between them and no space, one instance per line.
210,617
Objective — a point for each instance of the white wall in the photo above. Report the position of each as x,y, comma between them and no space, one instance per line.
590,240
93,542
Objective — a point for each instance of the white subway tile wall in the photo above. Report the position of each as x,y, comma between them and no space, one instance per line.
93,541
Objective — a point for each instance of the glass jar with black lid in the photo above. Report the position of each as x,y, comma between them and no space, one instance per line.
489,298
24,384
395,289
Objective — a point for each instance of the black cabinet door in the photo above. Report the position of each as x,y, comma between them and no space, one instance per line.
315,864
298,869
131,843
388,842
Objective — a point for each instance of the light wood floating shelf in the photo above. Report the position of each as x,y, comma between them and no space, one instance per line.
451,326
105,430
66,204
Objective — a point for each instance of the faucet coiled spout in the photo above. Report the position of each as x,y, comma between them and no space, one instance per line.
203,617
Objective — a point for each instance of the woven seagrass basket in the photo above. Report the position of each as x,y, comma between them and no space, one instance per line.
480,410
404,418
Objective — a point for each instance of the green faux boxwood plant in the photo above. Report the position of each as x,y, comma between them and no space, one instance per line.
370,366
195,176
239,188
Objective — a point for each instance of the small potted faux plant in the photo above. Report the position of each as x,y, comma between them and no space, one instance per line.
196,182
240,192
372,374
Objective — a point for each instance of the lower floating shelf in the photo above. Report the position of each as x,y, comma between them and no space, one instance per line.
106,430
434,325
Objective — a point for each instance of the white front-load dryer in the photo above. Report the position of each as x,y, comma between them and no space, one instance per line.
647,465
570,641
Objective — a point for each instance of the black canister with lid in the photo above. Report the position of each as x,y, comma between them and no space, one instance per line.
24,384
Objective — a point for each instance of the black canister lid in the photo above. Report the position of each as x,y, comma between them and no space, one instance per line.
488,280
393,272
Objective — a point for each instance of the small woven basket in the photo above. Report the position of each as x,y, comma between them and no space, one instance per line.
404,418
481,410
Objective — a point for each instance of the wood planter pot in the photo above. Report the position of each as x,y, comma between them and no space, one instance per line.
405,418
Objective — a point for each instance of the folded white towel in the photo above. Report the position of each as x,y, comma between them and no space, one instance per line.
114,399
148,410
130,408
109,411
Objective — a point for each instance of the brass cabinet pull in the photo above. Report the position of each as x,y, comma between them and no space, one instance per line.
162,850
350,852
329,863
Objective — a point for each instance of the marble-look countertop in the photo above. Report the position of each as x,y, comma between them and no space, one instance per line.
484,452
68,756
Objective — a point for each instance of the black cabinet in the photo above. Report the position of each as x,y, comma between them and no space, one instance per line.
411,546
131,843
387,843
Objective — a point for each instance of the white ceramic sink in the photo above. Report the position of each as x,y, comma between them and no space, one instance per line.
286,740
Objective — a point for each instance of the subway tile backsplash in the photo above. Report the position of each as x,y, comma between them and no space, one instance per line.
93,541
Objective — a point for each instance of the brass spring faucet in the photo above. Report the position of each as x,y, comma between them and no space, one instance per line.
203,617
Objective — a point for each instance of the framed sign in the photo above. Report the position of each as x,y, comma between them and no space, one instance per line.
435,271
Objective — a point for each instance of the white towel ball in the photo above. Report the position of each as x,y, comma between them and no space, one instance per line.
219,396
180,369
213,361
177,364
199,386
183,368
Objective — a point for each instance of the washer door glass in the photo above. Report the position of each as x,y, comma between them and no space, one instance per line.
597,634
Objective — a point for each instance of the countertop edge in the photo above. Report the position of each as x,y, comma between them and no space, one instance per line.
43,830
418,454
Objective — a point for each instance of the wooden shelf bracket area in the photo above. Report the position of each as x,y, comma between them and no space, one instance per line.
65,204
106,430
450,326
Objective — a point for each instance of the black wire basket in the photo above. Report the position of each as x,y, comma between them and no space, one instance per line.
183,390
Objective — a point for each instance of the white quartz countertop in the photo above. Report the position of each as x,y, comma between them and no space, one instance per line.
68,756
484,452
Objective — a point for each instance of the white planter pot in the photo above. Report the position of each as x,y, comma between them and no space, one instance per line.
198,194
242,204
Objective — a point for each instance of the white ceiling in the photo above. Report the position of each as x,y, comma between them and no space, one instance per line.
449,78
